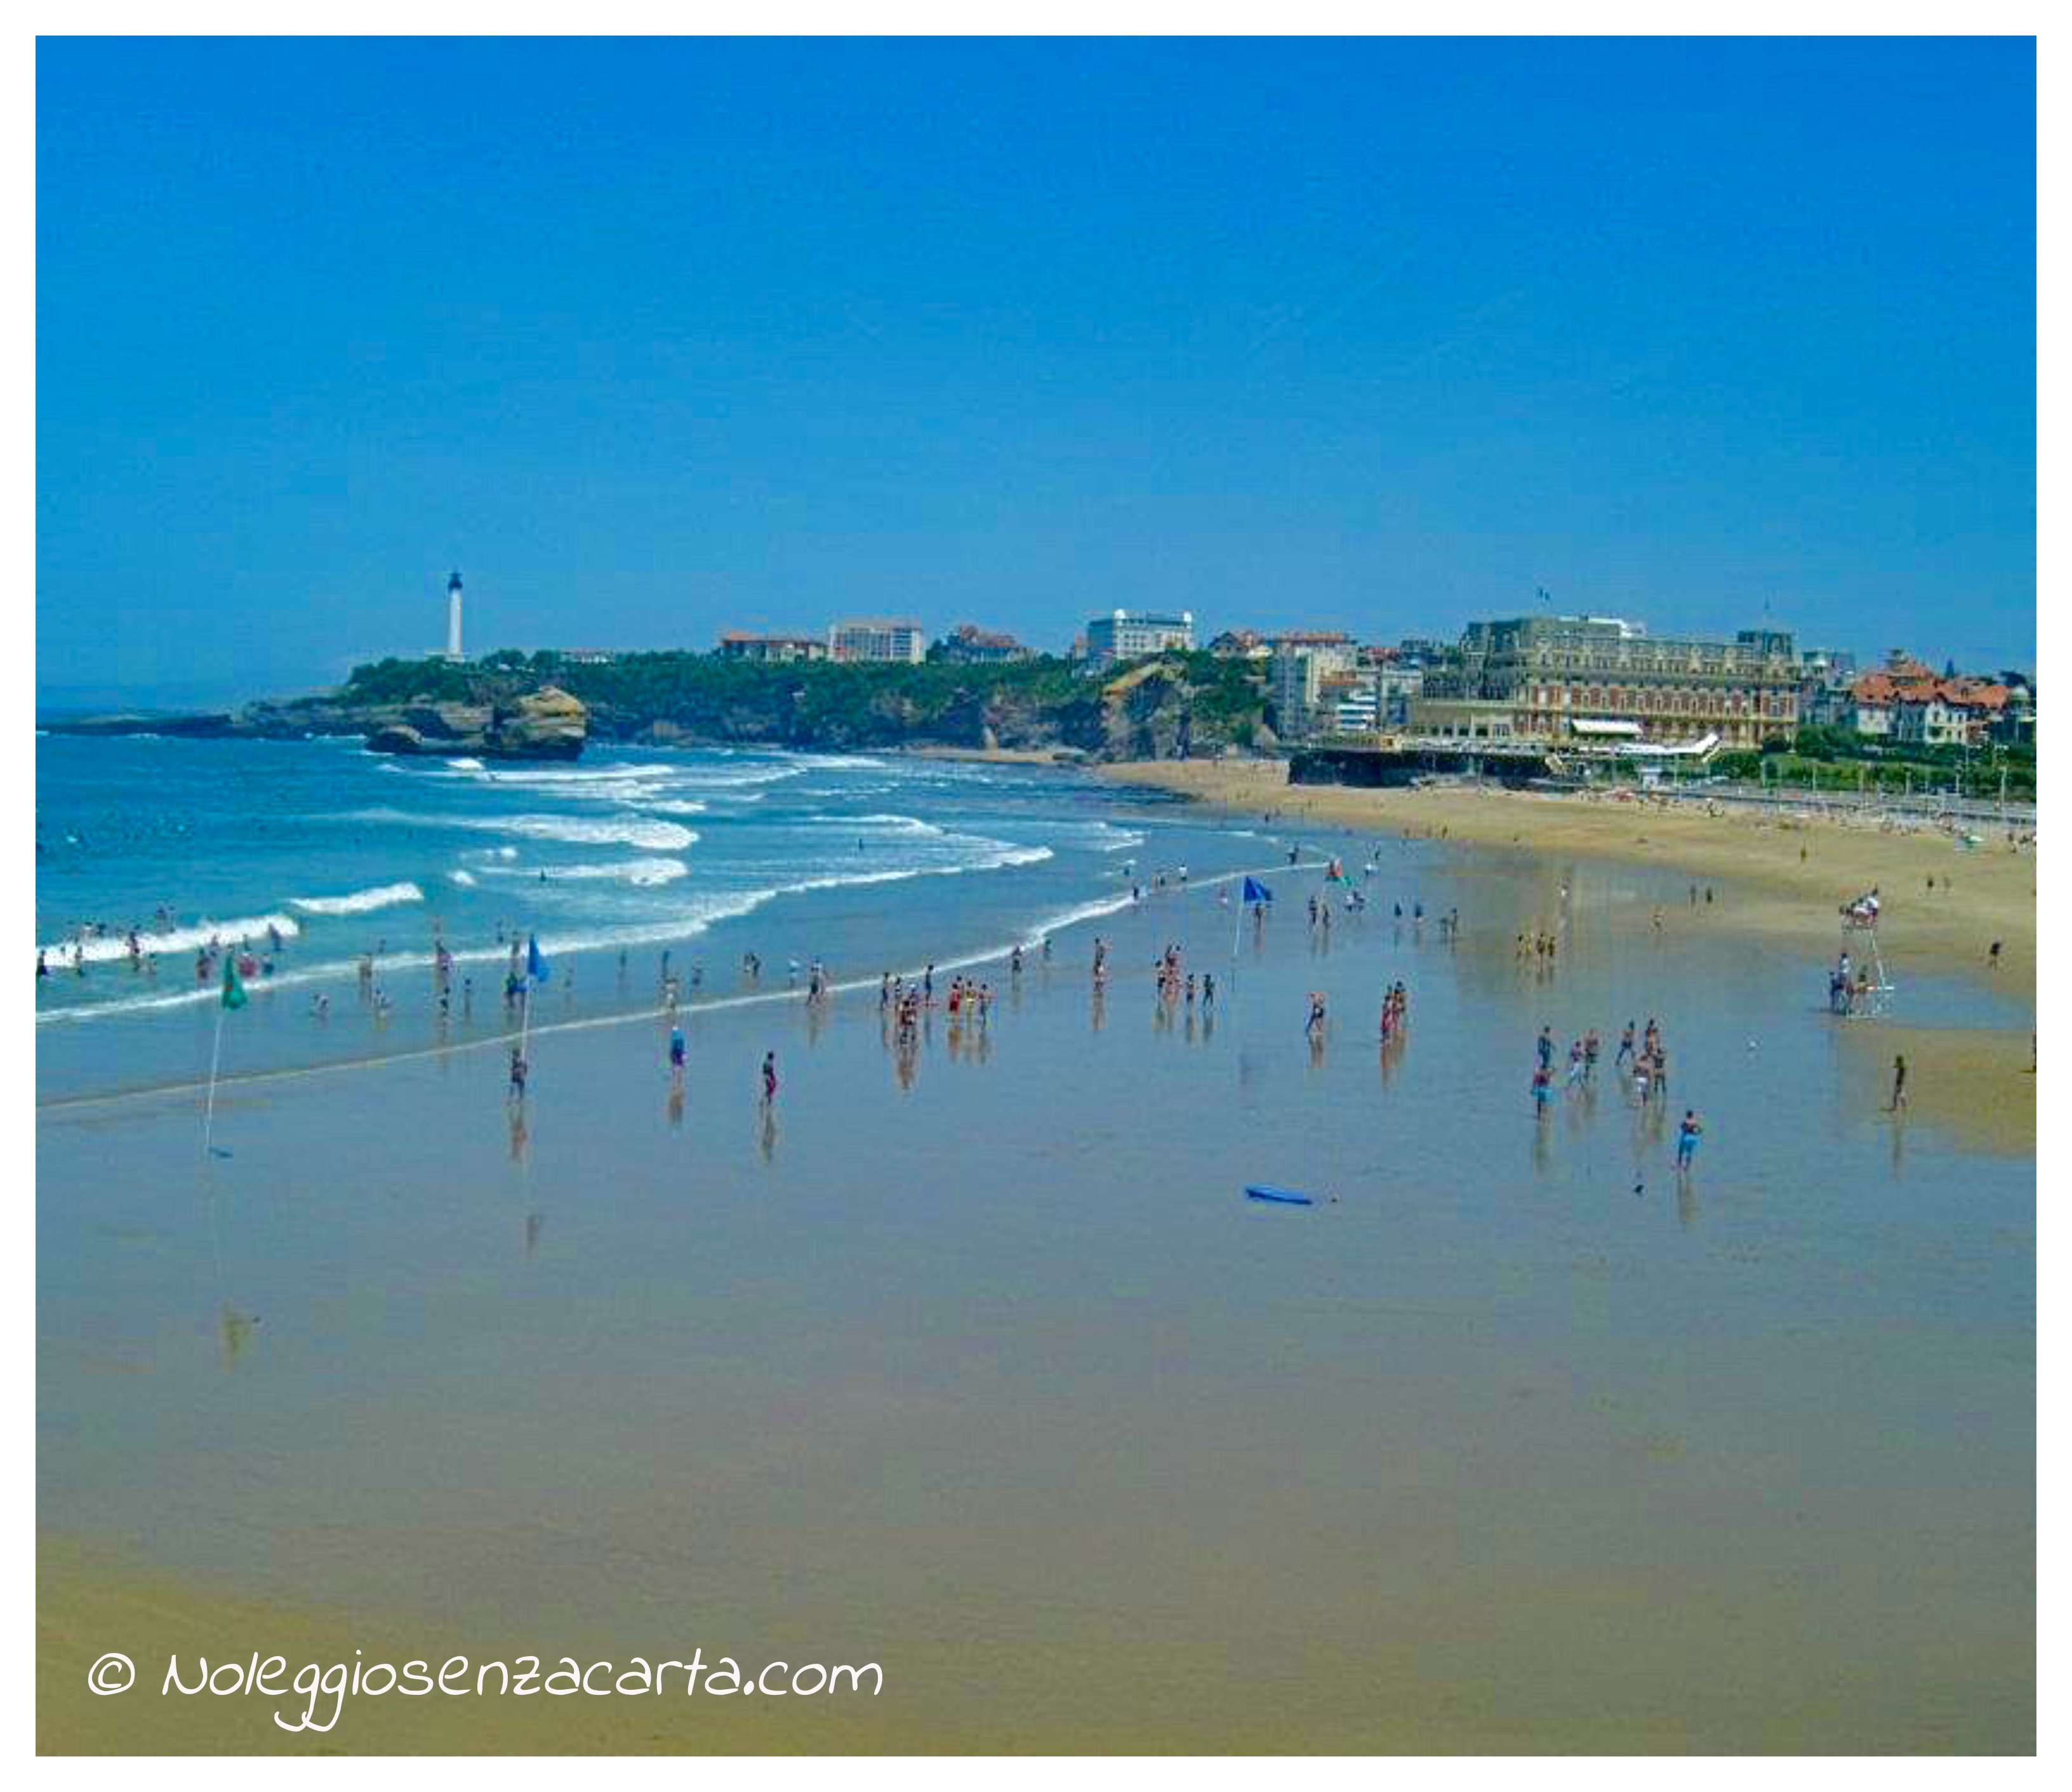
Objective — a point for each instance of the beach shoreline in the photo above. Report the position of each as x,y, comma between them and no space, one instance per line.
1789,874
512,1370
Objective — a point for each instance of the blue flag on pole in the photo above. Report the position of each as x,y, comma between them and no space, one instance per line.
1255,891
536,967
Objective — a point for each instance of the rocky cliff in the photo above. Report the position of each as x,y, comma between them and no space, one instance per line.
543,706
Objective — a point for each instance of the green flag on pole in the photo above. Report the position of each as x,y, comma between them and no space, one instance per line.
233,991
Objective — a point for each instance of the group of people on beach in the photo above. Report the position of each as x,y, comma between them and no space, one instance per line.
1645,1062
1172,981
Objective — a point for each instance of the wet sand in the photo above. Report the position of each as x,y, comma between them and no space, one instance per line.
1790,873
975,1362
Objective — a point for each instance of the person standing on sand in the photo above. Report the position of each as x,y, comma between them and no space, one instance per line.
769,1077
1993,956
676,1052
1687,1140
517,1089
1898,1084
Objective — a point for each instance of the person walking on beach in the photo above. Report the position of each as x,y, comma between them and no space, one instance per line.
1545,1047
1315,1024
1993,956
518,1071
676,1052
1898,1084
1542,1089
1625,1047
769,1077
1686,1141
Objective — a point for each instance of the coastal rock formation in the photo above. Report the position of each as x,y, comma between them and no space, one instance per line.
545,705
545,724
548,723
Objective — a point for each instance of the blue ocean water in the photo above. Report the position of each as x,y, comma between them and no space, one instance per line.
865,863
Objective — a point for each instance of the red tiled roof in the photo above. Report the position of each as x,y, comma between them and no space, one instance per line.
1967,693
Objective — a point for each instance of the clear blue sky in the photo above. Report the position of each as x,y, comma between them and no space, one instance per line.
655,340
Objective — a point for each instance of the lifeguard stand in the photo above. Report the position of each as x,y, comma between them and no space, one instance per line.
1873,996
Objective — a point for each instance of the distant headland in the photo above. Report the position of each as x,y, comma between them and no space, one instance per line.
548,705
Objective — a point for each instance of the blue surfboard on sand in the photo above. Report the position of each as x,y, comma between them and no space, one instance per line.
1286,1197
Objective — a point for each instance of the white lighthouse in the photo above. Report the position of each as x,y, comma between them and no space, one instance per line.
453,618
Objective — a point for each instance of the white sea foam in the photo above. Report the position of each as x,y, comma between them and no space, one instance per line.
723,777
632,871
360,901
908,824
998,856
630,830
465,879
556,776
695,916
108,948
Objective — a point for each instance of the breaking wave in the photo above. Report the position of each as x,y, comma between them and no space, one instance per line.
360,901
632,830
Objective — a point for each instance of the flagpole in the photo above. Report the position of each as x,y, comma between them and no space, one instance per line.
215,1060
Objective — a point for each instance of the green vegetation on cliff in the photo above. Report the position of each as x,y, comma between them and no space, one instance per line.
1168,707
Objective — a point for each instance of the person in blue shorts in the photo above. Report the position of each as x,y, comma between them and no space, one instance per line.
1686,1141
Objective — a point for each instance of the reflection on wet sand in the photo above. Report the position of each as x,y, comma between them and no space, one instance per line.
1009,1356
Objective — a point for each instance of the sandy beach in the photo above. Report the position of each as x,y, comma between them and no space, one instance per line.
972,1357
1789,874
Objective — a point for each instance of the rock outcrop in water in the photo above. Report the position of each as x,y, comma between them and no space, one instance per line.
544,724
